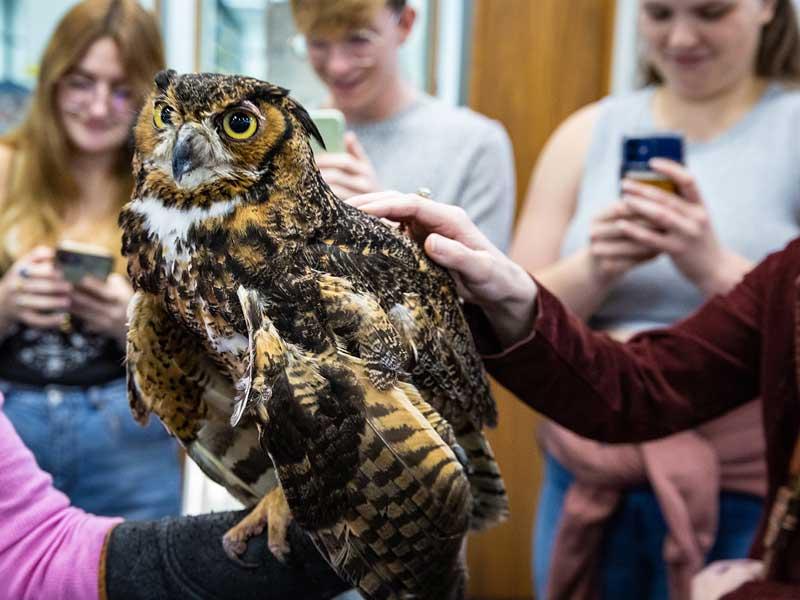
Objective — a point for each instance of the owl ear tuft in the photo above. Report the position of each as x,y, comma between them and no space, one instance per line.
301,114
276,91
164,78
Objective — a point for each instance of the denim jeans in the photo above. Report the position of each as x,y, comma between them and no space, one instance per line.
98,455
631,563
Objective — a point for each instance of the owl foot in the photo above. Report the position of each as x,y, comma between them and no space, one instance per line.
273,512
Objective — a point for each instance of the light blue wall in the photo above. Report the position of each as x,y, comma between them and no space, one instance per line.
34,21
253,38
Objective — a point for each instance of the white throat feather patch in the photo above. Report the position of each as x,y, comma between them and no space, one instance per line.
171,225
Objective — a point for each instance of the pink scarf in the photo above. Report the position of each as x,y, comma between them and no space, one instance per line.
687,472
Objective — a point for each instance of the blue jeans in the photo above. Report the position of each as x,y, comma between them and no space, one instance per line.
97,454
631,563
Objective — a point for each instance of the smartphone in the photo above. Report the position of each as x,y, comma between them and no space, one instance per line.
78,259
331,125
637,152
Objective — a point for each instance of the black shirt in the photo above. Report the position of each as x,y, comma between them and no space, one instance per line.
51,356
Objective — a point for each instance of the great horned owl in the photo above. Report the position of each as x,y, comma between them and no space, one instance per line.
274,325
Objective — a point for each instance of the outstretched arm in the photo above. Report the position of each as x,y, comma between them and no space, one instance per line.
659,383
49,549
183,558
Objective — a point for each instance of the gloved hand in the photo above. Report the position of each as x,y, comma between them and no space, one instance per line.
183,558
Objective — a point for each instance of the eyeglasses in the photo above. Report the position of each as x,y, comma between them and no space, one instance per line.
80,91
358,45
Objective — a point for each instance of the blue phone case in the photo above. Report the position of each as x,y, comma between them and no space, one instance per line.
638,150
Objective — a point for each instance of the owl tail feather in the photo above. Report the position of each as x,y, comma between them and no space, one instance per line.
488,491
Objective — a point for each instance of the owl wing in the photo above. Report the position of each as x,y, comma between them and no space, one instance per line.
410,503
435,345
362,468
425,317
447,367
169,375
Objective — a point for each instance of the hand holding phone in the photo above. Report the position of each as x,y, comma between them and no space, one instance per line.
670,216
102,306
33,291
349,173
78,260
637,151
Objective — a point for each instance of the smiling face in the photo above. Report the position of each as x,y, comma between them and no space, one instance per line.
703,47
357,65
95,101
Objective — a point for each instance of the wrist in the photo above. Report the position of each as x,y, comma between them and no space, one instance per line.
723,269
602,279
512,315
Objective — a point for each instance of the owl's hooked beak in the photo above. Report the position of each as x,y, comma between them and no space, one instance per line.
184,153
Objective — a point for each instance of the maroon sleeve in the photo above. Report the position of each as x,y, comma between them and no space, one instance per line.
764,590
660,382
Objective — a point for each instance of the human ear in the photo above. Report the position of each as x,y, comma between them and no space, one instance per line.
405,22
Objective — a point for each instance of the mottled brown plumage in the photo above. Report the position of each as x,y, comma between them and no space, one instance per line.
273,325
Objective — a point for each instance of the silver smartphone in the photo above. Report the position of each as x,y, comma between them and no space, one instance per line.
77,260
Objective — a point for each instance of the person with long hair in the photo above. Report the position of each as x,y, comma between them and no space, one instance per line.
638,521
64,174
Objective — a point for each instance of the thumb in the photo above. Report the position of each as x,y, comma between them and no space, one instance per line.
455,256
41,253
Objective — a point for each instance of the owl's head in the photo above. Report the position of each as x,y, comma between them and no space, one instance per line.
201,130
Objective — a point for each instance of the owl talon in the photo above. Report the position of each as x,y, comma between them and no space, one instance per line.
234,549
280,550
272,512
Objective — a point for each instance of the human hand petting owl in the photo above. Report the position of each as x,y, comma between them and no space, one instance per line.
34,292
485,276
350,172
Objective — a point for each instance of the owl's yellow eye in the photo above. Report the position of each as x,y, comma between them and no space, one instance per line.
239,124
162,116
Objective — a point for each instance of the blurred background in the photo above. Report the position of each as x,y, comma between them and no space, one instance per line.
253,37
527,63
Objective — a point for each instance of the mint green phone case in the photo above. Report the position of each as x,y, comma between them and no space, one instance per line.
330,123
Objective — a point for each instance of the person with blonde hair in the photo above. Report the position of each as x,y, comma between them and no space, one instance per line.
64,174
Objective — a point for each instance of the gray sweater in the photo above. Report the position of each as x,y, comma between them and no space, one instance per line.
749,180
462,157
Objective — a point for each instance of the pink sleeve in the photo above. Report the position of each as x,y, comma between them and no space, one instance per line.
48,549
